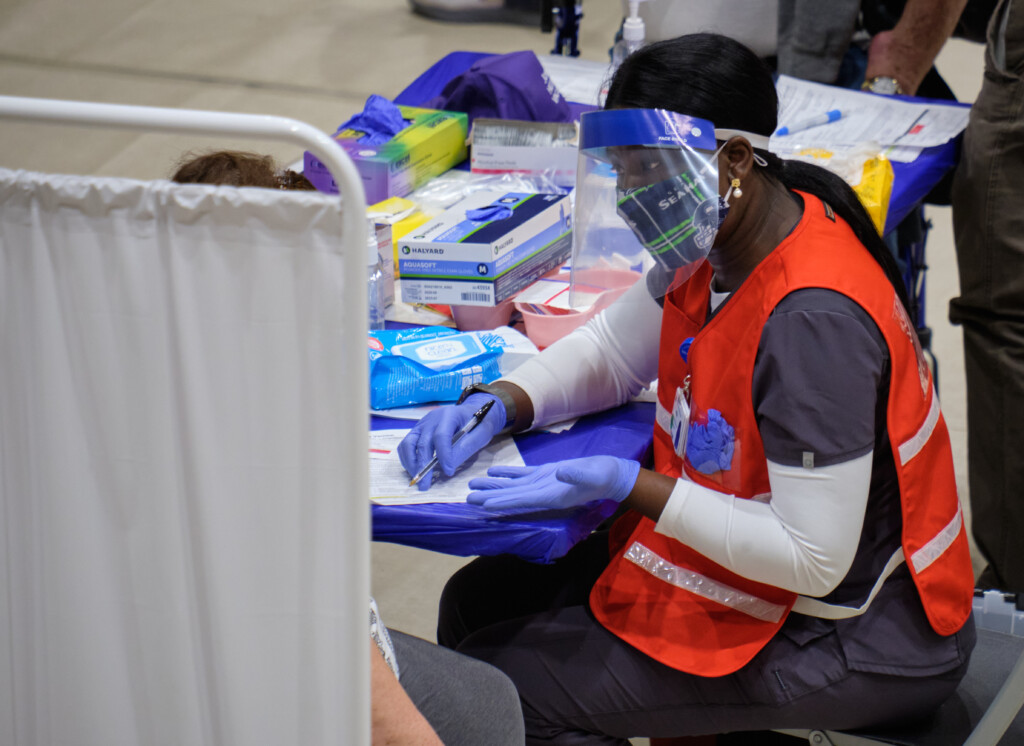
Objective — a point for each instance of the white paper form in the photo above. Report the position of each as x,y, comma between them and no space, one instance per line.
415,412
389,482
418,413
900,128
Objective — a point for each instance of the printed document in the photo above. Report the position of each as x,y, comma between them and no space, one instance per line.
900,128
389,482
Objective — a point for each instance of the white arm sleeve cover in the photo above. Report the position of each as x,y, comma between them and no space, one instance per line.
804,540
600,365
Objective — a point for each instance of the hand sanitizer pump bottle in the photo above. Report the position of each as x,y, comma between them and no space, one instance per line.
633,34
374,278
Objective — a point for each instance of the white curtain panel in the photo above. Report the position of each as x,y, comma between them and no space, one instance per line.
172,486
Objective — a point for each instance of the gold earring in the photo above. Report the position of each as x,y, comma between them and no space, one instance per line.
736,191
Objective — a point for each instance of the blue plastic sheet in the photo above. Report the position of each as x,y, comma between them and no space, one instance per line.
912,181
467,530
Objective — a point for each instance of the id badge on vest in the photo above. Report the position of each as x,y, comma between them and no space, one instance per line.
679,425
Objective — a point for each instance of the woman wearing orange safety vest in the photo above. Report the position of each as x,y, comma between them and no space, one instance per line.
797,555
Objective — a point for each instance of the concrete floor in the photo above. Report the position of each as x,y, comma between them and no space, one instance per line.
318,62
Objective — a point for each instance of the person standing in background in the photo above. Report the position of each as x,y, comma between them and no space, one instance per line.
988,228
889,45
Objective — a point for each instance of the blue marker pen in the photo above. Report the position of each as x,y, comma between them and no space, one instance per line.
829,116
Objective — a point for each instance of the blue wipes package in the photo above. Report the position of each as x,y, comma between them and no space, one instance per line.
435,363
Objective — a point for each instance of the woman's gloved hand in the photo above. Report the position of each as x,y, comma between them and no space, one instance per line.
434,433
563,484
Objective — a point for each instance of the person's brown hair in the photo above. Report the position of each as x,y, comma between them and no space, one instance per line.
237,168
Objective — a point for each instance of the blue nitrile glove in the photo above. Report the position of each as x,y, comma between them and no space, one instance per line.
434,433
379,121
710,445
490,212
563,484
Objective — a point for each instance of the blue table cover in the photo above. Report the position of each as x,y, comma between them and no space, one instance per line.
466,530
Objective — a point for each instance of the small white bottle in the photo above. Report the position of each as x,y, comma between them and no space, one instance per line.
633,35
374,279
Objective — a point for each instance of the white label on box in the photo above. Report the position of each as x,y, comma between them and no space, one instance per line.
558,163
450,293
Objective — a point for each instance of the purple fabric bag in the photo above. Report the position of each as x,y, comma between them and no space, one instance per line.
507,86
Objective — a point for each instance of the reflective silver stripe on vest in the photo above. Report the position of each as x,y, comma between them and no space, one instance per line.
703,586
662,417
938,543
912,447
919,559
813,607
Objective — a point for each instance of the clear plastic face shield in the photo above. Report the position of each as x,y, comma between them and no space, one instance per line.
646,197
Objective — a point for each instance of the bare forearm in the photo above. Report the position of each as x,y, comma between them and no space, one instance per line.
908,51
650,493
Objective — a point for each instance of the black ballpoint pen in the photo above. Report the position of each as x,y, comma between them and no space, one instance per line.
473,421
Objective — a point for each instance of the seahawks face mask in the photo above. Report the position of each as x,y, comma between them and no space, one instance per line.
647,194
674,219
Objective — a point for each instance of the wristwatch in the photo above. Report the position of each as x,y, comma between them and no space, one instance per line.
506,400
883,84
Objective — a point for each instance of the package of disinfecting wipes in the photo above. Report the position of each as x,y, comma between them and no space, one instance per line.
435,363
